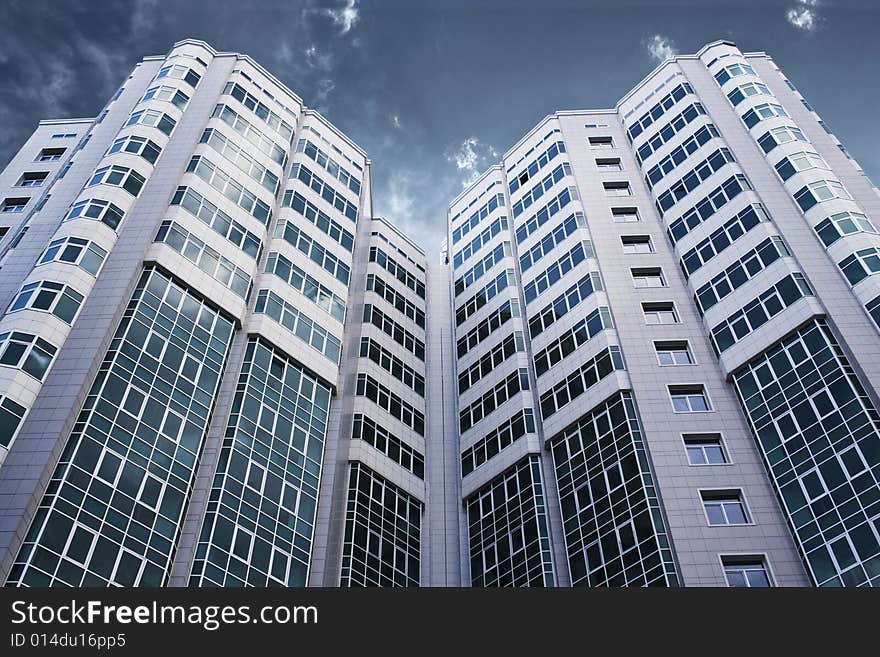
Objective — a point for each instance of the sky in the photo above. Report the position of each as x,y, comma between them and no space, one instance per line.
436,92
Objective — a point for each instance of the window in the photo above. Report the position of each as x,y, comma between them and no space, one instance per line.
3,231
819,191
694,178
860,264
797,162
843,223
260,110
648,277
555,272
782,135
87,255
722,238
740,272
42,202
667,132
609,163
637,244
761,112
129,179
673,353
229,186
758,312
33,179
705,449
624,215
679,154
94,208
59,299
689,399
731,71
617,189
659,109
235,154
153,118
708,206
813,484
724,507
244,127
745,571
31,354
168,94
662,312
11,205
601,142
50,154
530,197
532,169
180,72
212,263
11,413
15,240
142,146
742,92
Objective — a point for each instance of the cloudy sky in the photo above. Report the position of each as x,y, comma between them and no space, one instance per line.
436,91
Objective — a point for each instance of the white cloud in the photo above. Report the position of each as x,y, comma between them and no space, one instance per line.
345,17
325,87
469,158
400,201
804,15
284,53
143,18
317,59
395,121
660,47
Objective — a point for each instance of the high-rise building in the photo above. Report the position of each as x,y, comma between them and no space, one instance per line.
649,357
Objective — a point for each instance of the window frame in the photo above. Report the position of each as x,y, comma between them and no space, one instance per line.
642,274
726,495
704,437
658,309
50,154
747,559
632,240
681,389
38,178
668,346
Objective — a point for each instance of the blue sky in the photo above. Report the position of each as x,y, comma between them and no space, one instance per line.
436,92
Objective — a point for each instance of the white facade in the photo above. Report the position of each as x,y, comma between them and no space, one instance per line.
632,239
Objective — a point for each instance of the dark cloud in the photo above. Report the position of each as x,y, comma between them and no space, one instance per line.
430,91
